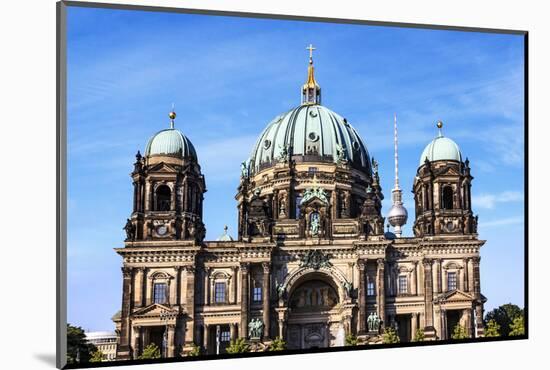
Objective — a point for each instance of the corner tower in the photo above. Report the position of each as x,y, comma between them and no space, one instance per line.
442,190
168,190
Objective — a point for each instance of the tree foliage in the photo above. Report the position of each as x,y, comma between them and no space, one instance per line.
97,356
196,351
238,346
79,350
277,345
492,329
517,327
351,340
504,316
390,336
419,335
459,332
150,352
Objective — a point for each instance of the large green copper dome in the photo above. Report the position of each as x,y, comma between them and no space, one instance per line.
313,132
170,142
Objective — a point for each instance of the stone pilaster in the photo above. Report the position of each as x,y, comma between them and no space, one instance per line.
170,339
136,345
138,286
243,329
233,331
123,351
362,297
206,337
266,299
381,296
190,304
428,299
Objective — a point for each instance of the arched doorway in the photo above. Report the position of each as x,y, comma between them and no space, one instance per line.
313,312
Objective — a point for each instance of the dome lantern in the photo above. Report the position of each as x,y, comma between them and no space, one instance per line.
311,91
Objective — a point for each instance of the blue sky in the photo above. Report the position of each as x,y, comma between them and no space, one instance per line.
228,77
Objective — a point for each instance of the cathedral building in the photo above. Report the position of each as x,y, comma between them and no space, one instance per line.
312,261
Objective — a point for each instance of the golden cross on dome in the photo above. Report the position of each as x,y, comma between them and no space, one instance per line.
310,48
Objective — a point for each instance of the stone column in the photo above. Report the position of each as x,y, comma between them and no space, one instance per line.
183,288
466,282
124,348
414,289
170,339
470,275
362,297
414,324
244,301
138,287
428,294
234,285
206,286
477,280
206,337
435,276
190,304
233,331
147,196
266,299
177,288
135,347
381,295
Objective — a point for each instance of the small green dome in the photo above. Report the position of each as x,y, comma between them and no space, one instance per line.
441,149
170,142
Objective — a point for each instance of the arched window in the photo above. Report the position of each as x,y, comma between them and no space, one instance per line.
298,201
447,198
163,198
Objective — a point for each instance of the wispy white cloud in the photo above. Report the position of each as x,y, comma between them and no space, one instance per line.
501,222
489,201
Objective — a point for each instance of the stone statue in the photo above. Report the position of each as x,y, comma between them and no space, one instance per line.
281,290
375,322
284,154
347,288
130,229
340,154
255,328
244,170
370,320
374,166
314,224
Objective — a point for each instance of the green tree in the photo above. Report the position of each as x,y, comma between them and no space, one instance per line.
517,327
79,350
504,317
150,352
492,329
277,345
97,356
238,346
390,336
351,340
419,336
196,351
459,332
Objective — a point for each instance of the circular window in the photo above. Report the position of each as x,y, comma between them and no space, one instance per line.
267,144
312,113
355,145
313,136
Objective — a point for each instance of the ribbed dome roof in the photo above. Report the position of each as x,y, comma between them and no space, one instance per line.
170,142
441,149
309,129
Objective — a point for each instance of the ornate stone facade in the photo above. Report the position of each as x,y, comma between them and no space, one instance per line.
311,263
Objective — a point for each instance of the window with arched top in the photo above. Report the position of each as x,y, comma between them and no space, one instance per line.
163,195
447,197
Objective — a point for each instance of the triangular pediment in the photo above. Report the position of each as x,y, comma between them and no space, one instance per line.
152,310
454,296
449,171
163,167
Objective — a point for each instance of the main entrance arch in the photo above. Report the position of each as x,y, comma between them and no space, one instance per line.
314,309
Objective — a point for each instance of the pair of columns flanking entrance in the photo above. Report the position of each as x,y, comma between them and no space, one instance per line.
380,296
245,299
141,331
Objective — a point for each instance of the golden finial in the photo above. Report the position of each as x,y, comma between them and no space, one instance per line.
172,116
439,124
